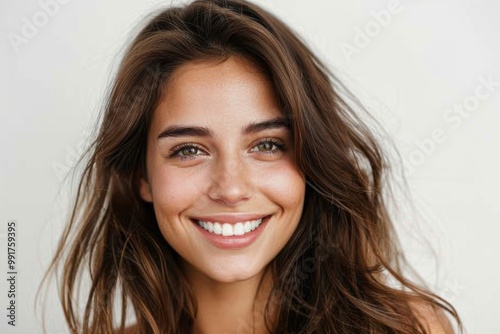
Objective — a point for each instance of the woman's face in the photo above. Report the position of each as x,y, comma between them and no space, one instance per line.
220,170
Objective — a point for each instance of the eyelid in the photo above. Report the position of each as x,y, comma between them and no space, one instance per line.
269,139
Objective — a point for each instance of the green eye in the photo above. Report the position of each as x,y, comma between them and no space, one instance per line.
269,146
189,151
186,151
265,146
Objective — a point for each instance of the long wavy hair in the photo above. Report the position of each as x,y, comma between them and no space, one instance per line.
339,272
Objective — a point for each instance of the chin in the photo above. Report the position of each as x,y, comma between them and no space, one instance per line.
237,271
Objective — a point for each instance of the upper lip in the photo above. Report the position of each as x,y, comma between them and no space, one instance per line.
231,218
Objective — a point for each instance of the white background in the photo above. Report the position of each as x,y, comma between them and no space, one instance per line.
428,59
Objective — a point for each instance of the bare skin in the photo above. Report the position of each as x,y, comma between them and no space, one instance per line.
224,172
217,131
434,322
230,308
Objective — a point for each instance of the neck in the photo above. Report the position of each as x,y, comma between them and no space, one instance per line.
224,308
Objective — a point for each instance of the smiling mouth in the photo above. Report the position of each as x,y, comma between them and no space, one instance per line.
228,230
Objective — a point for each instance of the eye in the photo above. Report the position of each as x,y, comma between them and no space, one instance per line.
186,151
268,146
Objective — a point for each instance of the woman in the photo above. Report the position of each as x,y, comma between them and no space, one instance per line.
231,189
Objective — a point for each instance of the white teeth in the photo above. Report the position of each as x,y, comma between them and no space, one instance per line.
217,228
238,229
227,230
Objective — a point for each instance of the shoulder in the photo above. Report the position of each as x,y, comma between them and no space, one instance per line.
434,319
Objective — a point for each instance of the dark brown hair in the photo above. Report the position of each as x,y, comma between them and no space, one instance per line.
332,276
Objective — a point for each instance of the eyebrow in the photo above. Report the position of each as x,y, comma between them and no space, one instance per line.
199,131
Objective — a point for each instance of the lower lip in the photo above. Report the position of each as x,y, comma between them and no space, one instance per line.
235,241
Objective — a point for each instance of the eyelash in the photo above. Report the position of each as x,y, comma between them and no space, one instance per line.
280,145
175,152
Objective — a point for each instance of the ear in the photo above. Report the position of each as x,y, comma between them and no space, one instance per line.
145,190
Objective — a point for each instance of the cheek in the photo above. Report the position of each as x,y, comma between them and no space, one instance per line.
285,185
175,189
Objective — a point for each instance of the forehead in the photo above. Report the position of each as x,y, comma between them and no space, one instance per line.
232,90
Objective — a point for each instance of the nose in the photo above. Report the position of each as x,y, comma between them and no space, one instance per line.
230,183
